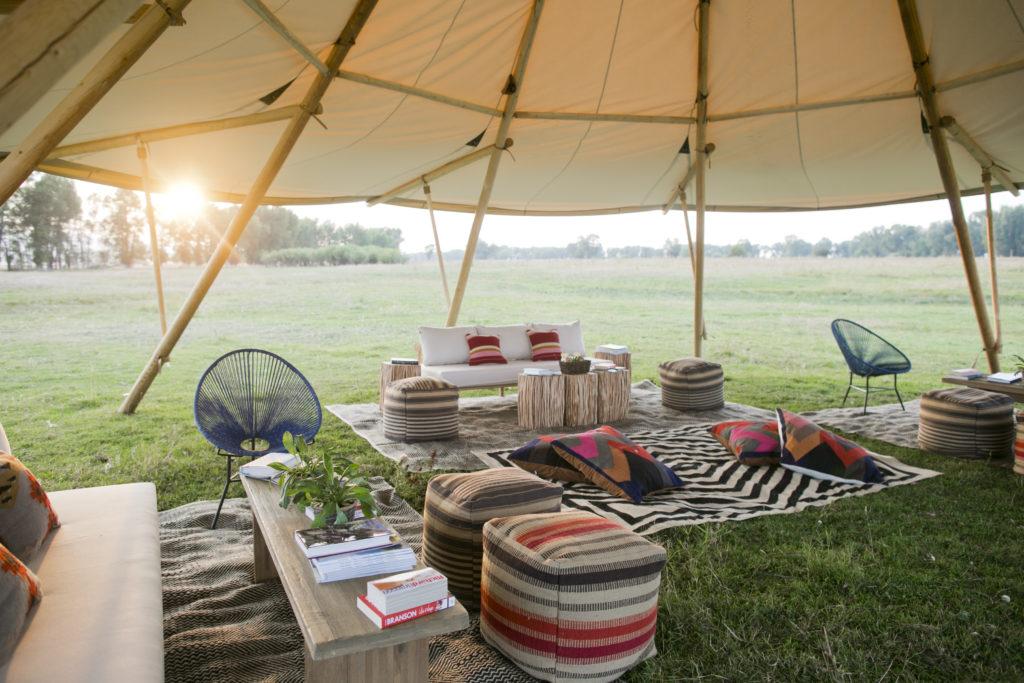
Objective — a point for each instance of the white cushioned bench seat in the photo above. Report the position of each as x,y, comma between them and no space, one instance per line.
465,376
101,616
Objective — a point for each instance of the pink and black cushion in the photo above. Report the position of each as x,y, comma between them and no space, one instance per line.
818,453
540,457
753,443
485,350
545,345
26,516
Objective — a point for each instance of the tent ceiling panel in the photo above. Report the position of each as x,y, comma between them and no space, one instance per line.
590,56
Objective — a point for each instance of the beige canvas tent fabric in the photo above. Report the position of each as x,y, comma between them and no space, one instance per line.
604,57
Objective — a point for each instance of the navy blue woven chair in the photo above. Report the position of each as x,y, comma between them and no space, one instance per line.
867,356
246,401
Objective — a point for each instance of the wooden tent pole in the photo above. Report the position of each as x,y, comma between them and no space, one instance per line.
275,24
689,242
252,201
437,247
512,89
680,187
984,159
100,79
700,175
926,89
986,179
154,241
42,39
432,175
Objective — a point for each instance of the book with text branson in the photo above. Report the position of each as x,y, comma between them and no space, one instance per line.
382,620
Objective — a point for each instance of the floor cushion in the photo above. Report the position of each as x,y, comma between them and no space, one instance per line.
818,453
540,457
692,384
455,510
752,442
26,516
569,596
421,409
967,423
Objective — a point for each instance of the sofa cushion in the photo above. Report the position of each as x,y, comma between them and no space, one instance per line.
26,516
19,592
102,617
5,446
570,335
464,375
544,345
444,345
515,345
484,350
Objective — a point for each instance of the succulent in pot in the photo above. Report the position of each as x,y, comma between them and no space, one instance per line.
574,364
331,486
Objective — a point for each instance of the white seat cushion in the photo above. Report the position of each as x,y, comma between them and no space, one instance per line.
515,345
101,616
445,345
465,376
5,447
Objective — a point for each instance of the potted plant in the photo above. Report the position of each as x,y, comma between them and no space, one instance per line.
331,487
574,364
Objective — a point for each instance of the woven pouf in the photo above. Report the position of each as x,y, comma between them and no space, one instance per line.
569,596
454,513
1018,446
692,384
967,423
421,409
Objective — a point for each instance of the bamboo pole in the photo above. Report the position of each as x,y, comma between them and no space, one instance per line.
986,179
926,88
100,79
984,159
680,188
154,242
171,132
42,39
699,176
252,201
512,89
693,260
437,247
432,175
271,20
603,118
417,92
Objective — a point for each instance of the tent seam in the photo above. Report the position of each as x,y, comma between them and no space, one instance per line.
796,114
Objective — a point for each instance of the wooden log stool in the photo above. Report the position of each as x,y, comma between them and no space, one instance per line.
541,401
613,387
692,384
581,399
966,423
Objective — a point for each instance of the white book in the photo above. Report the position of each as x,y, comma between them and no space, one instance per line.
1004,378
966,373
613,349
540,372
260,467
373,562
405,591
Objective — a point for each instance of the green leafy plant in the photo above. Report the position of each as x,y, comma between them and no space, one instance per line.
327,484
1018,364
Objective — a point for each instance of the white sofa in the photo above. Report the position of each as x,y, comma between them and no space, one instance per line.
101,615
444,353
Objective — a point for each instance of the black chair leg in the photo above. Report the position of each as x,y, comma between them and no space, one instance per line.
848,387
867,392
897,390
223,495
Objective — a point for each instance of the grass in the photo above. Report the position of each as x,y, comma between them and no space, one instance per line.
908,583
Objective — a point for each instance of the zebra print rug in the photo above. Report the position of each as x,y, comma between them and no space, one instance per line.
717,488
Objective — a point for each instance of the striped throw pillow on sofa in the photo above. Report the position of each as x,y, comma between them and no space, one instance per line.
485,350
545,345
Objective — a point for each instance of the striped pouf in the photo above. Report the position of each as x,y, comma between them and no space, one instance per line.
1018,446
456,508
421,409
967,423
692,384
569,596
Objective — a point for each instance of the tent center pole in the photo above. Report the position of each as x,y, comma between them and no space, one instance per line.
986,179
437,246
154,240
700,175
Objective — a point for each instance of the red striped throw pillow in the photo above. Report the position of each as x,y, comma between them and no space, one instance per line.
545,345
484,350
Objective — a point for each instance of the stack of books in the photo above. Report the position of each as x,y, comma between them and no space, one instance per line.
260,467
404,597
966,373
1004,378
365,547
613,349
540,372
404,361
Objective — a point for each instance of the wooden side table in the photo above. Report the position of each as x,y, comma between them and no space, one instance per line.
623,360
541,401
613,387
390,372
581,399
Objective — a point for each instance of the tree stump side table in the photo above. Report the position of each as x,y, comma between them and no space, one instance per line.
581,399
613,387
390,372
623,360
541,401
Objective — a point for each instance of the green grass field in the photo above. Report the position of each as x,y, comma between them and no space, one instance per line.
908,583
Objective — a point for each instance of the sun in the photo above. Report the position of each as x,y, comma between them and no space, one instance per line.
183,201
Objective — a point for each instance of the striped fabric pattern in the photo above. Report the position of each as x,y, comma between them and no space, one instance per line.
1018,446
484,350
457,507
545,345
967,423
421,409
569,596
692,384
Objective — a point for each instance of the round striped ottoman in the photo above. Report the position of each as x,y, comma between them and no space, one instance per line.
1018,446
967,423
569,596
421,409
692,384
456,508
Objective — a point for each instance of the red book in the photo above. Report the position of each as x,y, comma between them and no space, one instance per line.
382,620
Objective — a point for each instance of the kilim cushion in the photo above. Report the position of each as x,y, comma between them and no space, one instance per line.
1018,446
818,453
540,457
484,349
692,384
610,460
545,345
454,513
968,423
421,409
19,591
569,596
26,516
753,443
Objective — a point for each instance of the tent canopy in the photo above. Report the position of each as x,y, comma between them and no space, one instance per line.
811,104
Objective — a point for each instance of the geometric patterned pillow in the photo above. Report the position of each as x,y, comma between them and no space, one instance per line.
19,591
485,350
753,443
818,453
26,516
539,456
609,460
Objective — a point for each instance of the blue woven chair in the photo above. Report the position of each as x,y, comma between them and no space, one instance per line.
867,356
246,401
